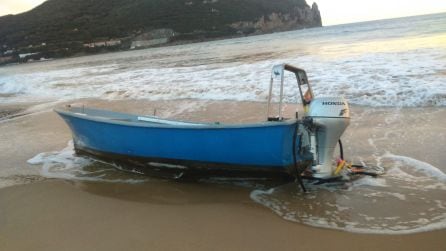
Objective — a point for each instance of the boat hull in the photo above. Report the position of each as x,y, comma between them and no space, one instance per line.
263,149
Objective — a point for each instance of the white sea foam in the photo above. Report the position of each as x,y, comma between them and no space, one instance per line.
369,181
65,164
419,166
361,79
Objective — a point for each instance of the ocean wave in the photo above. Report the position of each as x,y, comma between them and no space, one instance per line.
381,79
368,65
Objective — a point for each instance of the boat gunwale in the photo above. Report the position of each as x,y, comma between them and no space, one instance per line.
193,125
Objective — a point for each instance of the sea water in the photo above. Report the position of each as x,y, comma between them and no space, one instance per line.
398,62
394,70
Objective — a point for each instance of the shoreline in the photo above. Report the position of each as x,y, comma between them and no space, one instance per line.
169,44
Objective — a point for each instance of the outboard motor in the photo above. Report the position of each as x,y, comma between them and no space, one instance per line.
325,121
329,117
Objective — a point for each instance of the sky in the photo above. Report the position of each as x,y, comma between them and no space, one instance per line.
352,11
332,11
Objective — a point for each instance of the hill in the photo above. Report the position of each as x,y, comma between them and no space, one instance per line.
60,28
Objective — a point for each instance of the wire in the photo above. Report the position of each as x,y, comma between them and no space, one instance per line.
341,150
298,174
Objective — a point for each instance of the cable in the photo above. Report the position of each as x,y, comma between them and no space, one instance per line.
298,177
341,150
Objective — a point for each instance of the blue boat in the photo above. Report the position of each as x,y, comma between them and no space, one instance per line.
168,148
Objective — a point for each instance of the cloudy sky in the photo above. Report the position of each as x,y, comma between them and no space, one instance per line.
333,11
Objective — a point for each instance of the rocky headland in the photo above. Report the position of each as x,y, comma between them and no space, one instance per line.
61,28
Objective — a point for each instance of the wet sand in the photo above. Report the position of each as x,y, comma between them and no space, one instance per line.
53,214
57,215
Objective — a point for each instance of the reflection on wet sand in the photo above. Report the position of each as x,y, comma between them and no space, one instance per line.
157,191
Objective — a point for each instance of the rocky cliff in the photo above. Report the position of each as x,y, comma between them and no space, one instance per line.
296,18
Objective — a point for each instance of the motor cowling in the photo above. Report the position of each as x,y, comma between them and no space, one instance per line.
329,119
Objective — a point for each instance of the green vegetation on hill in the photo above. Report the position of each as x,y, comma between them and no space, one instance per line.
60,28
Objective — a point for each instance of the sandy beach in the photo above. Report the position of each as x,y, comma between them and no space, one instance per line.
38,213
57,215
